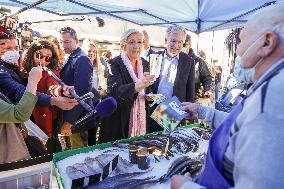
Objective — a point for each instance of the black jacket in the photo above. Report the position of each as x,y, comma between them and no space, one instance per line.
202,73
122,88
77,72
184,88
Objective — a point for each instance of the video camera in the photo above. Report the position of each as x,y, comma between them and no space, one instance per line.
7,23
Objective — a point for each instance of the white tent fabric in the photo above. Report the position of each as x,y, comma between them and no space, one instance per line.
195,15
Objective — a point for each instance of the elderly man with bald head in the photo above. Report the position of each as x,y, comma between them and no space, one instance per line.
246,149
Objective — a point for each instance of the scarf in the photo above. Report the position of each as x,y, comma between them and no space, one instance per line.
137,122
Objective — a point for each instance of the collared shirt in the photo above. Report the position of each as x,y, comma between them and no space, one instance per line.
168,75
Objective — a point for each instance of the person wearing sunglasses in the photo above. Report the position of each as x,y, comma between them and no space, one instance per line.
43,54
13,86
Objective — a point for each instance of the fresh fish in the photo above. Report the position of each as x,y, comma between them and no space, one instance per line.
112,181
78,170
93,163
202,133
120,145
149,143
180,166
142,184
132,182
139,184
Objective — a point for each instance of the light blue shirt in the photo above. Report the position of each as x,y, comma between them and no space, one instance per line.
168,75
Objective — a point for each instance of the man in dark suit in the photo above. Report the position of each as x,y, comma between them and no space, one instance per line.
173,69
77,71
202,73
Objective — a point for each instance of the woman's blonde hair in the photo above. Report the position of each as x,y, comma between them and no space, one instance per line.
96,62
125,36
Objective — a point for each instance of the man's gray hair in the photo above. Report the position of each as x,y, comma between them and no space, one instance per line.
175,29
279,30
271,18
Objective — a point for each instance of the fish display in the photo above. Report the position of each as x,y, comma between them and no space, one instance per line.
182,140
111,182
202,133
181,166
111,168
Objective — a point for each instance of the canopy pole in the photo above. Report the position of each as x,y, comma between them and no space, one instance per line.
28,7
42,9
197,45
58,20
212,47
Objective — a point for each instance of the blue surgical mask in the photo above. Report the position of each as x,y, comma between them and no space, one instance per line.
184,50
243,74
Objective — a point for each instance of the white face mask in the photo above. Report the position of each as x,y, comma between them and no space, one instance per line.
11,57
243,74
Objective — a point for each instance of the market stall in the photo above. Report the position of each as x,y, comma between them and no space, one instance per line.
158,153
141,162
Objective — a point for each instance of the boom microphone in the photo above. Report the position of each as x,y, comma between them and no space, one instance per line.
104,109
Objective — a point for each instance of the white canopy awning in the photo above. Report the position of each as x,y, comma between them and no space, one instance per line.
195,15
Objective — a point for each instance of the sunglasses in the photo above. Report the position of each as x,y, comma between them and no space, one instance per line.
46,58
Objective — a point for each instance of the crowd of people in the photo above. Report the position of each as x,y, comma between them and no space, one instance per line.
246,144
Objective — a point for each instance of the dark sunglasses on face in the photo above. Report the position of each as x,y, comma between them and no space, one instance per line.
46,58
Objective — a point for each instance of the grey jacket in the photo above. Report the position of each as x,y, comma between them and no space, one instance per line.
255,156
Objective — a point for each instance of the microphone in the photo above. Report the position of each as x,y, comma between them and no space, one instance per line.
87,96
104,109
73,92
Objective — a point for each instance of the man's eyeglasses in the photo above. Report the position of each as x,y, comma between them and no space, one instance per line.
46,58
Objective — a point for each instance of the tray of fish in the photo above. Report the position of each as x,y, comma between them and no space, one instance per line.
111,165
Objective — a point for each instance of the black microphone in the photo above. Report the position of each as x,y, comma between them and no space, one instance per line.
72,92
104,109
87,96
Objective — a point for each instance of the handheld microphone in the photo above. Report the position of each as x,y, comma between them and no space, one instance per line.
72,92
104,109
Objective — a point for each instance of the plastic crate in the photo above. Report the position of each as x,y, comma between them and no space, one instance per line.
62,155
26,173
